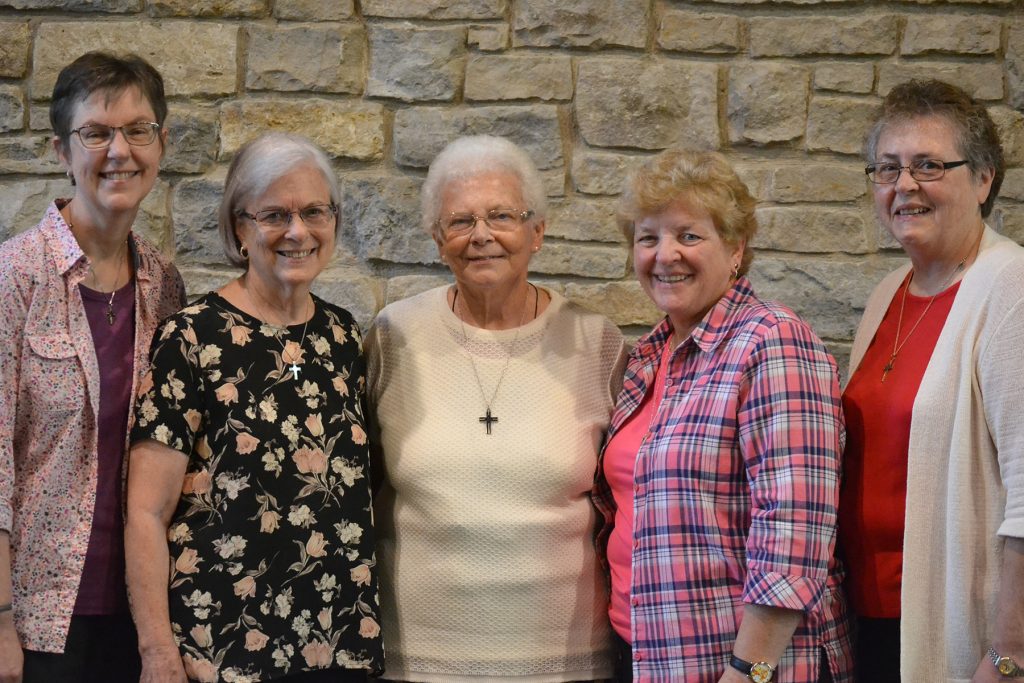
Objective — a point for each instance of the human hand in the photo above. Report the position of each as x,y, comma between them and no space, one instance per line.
162,665
987,673
12,659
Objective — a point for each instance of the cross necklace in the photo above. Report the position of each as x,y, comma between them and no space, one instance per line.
488,418
111,317
897,346
292,358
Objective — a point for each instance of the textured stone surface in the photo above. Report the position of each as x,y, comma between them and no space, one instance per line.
28,154
868,34
319,58
838,124
596,172
352,130
23,203
314,10
199,280
849,78
14,48
488,37
590,220
12,108
624,303
405,286
767,102
811,230
39,116
814,182
421,132
207,67
983,81
1010,124
434,9
415,64
1011,222
647,104
381,221
1015,63
194,205
1013,185
951,33
501,77
580,23
829,294
584,260
118,6
357,293
208,8
191,138
698,32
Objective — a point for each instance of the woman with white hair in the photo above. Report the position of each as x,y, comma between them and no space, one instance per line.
248,474
492,396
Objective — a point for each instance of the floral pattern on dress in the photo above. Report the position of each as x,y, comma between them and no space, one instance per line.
272,568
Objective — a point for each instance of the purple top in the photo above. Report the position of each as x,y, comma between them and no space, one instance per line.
102,589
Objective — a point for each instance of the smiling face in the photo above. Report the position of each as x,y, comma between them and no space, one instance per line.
294,255
682,263
482,259
933,218
113,181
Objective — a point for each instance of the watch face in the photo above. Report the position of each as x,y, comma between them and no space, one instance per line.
1006,666
761,673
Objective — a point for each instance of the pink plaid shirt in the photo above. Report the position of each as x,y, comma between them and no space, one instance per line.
735,492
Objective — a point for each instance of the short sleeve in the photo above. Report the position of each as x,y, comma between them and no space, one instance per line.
169,404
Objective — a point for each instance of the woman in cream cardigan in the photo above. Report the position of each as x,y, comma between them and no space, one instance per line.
934,481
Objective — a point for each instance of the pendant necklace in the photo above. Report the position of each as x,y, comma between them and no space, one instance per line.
111,317
287,357
488,418
897,345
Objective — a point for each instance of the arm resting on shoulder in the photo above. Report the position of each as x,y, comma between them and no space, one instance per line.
1008,629
155,477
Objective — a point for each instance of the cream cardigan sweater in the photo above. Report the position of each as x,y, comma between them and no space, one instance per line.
965,485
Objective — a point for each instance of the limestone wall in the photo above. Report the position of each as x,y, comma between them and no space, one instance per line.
587,86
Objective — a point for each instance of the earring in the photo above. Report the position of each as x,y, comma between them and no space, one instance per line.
736,271
71,177
243,252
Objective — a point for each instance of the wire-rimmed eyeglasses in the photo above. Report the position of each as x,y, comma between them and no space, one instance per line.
498,220
924,170
314,216
98,136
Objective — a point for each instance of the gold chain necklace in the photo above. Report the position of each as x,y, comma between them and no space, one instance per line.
285,356
111,317
897,346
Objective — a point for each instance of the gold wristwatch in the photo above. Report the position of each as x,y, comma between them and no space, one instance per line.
758,672
1005,665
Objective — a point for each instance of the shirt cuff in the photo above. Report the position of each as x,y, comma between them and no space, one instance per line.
773,589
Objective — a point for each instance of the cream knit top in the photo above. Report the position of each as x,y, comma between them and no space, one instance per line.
965,470
485,556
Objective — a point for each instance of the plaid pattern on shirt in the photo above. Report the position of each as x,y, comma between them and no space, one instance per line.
735,493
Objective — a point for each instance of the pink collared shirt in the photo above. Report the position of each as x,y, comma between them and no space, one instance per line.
49,400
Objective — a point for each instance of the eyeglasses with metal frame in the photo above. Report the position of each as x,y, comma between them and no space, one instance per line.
498,220
923,170
98,136
315,216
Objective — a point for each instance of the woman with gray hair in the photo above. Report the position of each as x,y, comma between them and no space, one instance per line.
491,397
248,474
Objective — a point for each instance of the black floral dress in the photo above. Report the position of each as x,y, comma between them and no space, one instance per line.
272,565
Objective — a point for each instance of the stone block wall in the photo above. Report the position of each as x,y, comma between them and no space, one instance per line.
588,87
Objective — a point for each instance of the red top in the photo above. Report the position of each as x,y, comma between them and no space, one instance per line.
619,463
872,505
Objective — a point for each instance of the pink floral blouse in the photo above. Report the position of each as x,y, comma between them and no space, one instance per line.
49,400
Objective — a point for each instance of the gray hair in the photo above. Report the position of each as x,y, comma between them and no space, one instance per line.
258,165
469,156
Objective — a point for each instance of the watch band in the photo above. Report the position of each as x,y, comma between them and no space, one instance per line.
758,672
1005,665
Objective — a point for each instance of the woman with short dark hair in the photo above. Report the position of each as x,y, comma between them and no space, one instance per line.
932,514
80,298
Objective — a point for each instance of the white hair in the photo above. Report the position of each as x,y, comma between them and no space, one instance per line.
473,155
